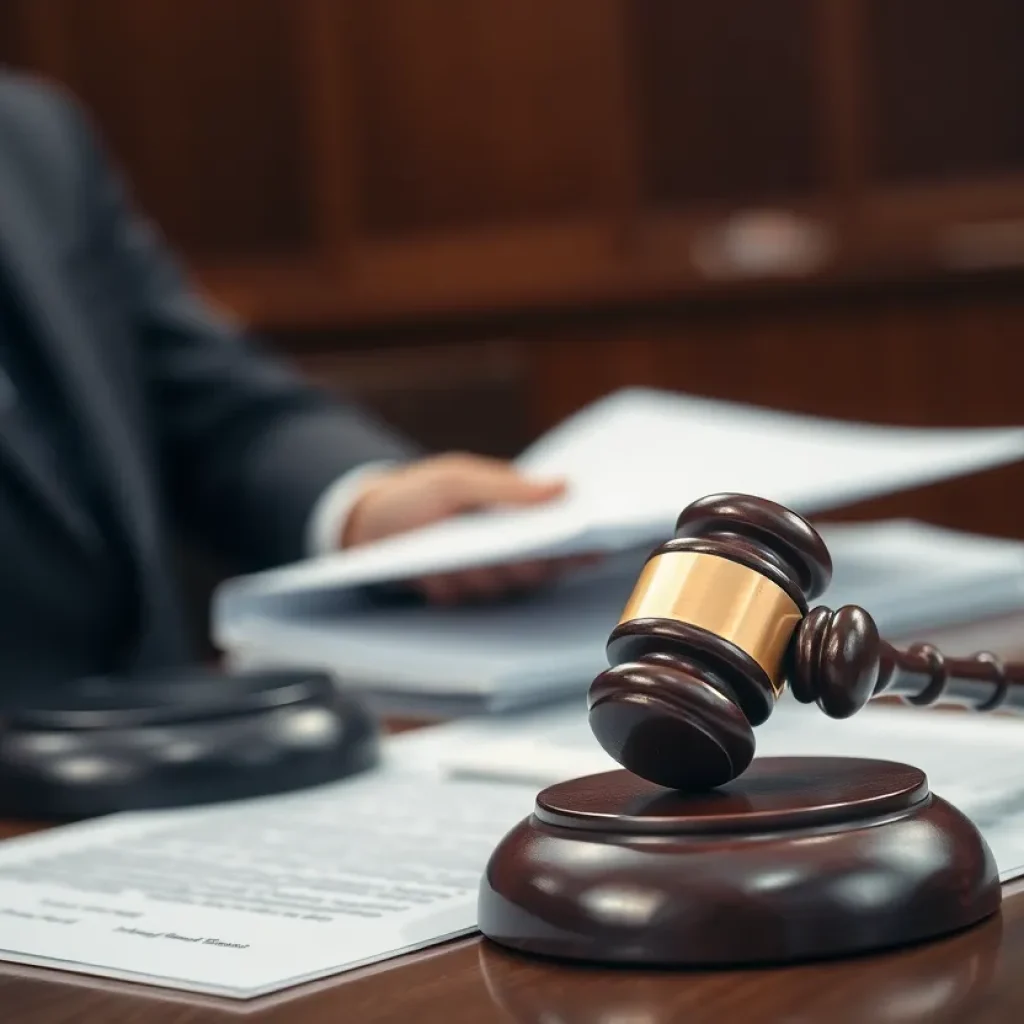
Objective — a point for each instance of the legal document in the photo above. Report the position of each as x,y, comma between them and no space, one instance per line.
244,899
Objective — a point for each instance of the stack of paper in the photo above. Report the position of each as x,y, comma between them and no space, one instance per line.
910,576
633,461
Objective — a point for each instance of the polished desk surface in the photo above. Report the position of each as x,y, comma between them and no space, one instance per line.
976,977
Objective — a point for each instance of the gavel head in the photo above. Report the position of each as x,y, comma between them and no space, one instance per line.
704,646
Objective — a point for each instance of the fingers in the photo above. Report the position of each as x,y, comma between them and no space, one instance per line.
493,583
478,586
584,561
528,575
471,482
439,589
431,490
482,585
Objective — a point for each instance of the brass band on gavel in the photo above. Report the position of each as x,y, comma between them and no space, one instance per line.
722,597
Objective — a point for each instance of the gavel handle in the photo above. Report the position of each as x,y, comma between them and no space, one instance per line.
922,675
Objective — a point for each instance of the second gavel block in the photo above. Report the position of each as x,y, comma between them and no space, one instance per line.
698,854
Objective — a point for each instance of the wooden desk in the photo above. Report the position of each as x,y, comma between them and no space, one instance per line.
976,977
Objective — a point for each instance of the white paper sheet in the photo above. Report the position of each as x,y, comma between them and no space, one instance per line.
633,461
974,761
245,899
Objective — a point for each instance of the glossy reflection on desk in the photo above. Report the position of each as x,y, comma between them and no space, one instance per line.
950,981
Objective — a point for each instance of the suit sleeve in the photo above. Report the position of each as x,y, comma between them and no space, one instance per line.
246,447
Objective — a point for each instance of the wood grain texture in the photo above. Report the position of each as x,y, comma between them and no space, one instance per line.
752,71
471,395
945,82
472,115
15,34
215,148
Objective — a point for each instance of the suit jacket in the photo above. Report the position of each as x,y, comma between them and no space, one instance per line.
191,430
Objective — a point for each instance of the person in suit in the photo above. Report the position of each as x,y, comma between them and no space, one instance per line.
131,413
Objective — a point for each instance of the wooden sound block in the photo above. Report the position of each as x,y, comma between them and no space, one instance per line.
178,737
798,859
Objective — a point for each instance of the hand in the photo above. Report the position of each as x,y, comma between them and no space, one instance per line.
437,488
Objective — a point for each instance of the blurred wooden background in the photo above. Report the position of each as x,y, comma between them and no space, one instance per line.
479,214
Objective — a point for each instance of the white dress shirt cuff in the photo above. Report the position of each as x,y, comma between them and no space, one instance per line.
327,522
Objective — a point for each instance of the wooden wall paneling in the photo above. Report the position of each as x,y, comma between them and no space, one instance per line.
577,366
945,149
932,357
622,152
843,123
491,158
15,44
469,395
32,38
330,115
202,104
492,150
477,115
957,229
729,114
336,162
736,134
330,163
945,89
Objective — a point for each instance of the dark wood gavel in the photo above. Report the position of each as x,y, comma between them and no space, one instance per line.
719,625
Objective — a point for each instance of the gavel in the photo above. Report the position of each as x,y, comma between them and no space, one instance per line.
696,853
720,624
